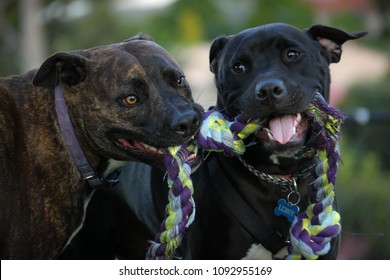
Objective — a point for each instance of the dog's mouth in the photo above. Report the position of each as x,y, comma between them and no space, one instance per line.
285,129
148,153
130,145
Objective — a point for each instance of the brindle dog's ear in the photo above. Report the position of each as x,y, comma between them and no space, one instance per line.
331,39
65,67
140,36
215,51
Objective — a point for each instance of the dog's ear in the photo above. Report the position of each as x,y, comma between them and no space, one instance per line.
331,39
65,67
140,36
215,51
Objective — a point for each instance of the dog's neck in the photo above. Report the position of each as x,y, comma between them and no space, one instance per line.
87,163
276,162
259,194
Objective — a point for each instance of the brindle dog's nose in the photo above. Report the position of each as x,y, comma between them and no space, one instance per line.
186,123
270,90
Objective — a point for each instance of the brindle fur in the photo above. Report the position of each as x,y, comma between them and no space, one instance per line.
42,194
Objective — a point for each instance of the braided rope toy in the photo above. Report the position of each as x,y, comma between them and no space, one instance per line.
216,134
181,206
220,135
311,231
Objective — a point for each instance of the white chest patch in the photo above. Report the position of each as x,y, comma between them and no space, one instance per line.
113,165
258,252
274,158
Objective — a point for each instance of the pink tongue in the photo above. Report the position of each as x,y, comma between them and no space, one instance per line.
282,128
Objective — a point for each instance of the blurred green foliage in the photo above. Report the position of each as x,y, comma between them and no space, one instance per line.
374,136
363,191
189,21
364,177
184,22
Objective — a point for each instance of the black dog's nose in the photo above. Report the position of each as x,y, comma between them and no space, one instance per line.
186,123
271,90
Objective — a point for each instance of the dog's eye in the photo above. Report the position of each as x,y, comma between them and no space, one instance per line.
238,68
130,99
181,81
292,55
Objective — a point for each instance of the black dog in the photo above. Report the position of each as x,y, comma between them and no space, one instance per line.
270,73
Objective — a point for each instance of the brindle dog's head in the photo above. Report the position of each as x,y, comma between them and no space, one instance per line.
127,100
271,73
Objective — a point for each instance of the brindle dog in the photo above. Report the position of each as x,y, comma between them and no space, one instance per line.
126,101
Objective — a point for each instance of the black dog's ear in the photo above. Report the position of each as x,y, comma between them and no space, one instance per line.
215,51
65,67
140,36
332,38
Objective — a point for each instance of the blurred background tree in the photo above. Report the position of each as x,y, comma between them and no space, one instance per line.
31,30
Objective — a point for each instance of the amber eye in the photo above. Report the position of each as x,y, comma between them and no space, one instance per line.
180,81
130,99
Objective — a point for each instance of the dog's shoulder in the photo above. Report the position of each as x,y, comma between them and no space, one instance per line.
9,114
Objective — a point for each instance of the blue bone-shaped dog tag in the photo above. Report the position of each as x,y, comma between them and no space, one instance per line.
286,209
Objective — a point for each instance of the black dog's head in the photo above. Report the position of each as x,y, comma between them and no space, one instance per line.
271,73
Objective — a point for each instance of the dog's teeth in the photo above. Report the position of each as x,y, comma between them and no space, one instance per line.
146,147
270,135
138,145
152,148
297,120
